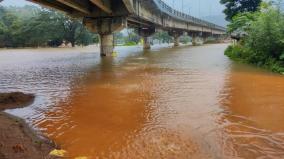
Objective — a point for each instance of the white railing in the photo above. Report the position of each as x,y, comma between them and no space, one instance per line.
180,15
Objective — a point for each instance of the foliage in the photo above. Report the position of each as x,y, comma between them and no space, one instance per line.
118,38
31,26
241,22
132,36
212,40
184,39
10,29
234,7
58,153
130,43
264,43
162,36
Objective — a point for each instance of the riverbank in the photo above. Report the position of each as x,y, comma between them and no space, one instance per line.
260,39
241,54
93,48
17,140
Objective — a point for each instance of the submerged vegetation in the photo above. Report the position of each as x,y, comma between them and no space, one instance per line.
260,38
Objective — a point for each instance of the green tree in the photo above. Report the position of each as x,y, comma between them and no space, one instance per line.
162,36
241,22
33,27
234,7
263,44
184,39
10,28
74,31
266,35
118,38
3,27
132,37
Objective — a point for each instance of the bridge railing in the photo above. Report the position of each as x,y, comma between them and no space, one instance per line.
180,15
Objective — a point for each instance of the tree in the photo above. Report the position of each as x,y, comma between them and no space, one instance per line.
41,29
74,31
10,28
234,7
263,44
132,37
118,38
162,36
31,26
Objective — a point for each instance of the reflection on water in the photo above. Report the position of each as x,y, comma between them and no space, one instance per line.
188,102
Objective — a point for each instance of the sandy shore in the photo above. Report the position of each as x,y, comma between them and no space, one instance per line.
17,140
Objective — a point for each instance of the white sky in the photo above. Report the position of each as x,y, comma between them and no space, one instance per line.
197,8
15,3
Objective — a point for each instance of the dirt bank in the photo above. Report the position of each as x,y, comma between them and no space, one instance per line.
15,100
17,141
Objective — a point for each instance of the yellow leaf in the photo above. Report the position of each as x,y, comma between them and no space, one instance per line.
114,54
81,157
58,153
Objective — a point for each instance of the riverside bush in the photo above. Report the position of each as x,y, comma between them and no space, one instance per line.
263,44
130,43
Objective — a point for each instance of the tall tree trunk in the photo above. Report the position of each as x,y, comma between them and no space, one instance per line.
73,43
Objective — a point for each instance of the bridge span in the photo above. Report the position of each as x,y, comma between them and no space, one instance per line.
108,16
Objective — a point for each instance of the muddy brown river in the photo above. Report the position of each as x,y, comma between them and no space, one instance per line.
170,103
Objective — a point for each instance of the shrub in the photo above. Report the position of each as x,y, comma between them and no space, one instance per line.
130,43
263,44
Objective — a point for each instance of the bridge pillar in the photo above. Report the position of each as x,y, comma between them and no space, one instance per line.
106,44
193,36
218,37
146,43
194,42
205,37
105,27
145,33
176,41
175,34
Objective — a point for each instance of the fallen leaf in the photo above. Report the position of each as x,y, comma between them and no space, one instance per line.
58,153
18,148
81,157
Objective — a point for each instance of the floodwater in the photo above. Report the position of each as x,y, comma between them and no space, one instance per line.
187,102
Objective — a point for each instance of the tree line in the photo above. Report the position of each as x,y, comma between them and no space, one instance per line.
32,26
258,27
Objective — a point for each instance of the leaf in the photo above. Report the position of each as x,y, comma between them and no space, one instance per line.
81,157
58,153
281,56
114,54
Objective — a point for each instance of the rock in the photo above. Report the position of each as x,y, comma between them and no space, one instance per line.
15,100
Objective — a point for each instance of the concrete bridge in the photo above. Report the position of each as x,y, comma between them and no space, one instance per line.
108,16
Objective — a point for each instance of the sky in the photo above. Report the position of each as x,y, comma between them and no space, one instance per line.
197,8
15,3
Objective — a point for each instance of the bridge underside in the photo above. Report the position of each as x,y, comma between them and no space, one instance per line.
107,16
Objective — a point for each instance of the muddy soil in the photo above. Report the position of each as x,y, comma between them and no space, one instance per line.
17,140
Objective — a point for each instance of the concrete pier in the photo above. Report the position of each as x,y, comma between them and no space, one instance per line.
107,44
146,44
176,41
176,35
145,33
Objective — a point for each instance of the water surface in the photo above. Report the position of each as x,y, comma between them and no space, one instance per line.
187,102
